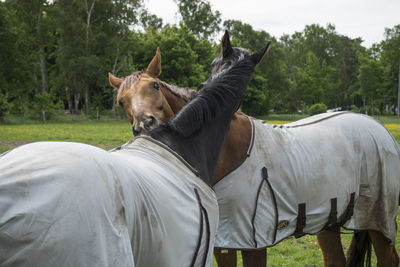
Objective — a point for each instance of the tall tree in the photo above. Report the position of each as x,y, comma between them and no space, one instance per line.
89,9
19,67
390,58
31,13
348,65
181,54
370,79
124,15
199,17
270,86
245,35
316,81
9,52
70,26
338,59
149,20
92,34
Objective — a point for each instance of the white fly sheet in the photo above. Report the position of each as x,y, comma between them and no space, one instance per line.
70,204
312,169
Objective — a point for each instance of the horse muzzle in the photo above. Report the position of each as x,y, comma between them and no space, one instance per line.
144,125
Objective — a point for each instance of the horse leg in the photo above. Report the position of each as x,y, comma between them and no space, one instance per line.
225,257
254,258
331,246
385,253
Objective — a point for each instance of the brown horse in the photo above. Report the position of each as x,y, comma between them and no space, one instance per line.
148,101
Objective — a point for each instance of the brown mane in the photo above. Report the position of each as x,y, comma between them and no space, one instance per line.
186,93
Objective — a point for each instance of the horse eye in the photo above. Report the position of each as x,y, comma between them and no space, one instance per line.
121,103
156,86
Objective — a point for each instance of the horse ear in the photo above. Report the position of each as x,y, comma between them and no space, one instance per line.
226,45
154,68
259,54
114,81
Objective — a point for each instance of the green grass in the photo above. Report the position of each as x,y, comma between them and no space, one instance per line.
105,134
108,134
388,119
282,117
304,251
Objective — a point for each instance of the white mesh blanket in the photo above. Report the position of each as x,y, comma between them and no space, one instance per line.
313,165
69,204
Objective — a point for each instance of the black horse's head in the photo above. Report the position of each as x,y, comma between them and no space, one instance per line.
197,132
231,55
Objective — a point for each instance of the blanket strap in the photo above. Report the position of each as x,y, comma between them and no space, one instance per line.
255,208
349,210
332,219
203,216
264,175
301,220
252,137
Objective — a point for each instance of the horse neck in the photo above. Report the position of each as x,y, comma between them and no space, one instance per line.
235,148
202,149
174,101
198,131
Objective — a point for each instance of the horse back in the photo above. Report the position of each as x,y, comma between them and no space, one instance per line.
347,159
59,207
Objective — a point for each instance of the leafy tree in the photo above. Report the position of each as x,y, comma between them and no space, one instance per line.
32,15
317,108
245,36
255,101
180,51
316,81
274,69
18,77
61,50
9,56
4,107
370,79
390,58
149,20
44,106
323,42
199,17
92,42
338,61
350,49
270,80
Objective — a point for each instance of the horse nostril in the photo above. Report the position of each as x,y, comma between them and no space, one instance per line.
143,125
136,130
149,121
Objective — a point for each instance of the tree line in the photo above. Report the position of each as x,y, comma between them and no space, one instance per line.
56,55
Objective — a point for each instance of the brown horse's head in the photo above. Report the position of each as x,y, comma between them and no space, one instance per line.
141,97
147,101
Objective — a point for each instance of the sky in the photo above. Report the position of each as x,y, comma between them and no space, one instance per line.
354,18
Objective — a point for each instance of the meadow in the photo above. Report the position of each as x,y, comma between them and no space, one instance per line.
108,134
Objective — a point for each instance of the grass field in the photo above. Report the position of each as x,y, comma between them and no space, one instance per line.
104,134
108,134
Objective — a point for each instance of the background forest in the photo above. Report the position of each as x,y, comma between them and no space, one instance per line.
55,55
